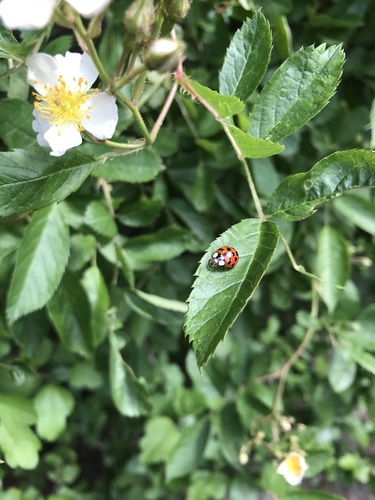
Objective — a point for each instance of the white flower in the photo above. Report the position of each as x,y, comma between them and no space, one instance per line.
26,14
293,468
35,14
89,8
64,104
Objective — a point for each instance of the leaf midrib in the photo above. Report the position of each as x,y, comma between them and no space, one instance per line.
300,96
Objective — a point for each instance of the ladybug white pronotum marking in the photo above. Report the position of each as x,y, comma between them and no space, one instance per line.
226,257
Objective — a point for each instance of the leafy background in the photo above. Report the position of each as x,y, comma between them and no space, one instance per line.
100,392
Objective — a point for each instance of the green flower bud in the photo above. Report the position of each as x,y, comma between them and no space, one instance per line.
139,18
176,9
164,54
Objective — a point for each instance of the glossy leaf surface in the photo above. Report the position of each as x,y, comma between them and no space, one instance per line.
70,313
251,147
32,178
223,105
40,263
247,58
332,265
142,166
53,405
129,395
219,295
297,91
189,450
17,441
299,195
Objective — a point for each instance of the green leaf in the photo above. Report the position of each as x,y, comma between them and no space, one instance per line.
162,302
142,166
15,124
357,210
32,178
70,312
189,401
98,296
219,295
223,105
82,250
231,434
40,263
10,241
319,460
247,58
251,147
18,443
141,213
342,370
332,265
160,438
129,395
311,495
9,46
85,376
125,267
271,481
298,196
97,217
147,308
364,359
199,224
188,451
163,245
53,405
205,485
297,91
360,333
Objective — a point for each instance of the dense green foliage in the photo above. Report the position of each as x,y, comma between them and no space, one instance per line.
129,367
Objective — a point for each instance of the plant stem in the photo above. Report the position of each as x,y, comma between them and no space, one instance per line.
248,175
139,86
130,76
107,195
297,267
283,372
186,85
164,111
130,145
137,115
125,53
92,51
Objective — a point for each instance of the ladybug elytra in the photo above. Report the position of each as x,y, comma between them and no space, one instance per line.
224,257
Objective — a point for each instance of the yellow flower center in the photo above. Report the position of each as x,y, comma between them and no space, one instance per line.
293,463
62,106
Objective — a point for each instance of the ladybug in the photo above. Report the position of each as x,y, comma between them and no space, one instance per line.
224,257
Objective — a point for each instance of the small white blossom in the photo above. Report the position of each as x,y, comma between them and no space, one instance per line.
89,8
65,105
35,14
293,468
26,14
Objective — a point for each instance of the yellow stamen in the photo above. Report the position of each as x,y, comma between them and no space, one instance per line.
62,106
294,464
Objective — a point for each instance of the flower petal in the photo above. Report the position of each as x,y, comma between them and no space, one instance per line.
89,8
26,14
103,116
42,71
74,66
293,468
60,139
40,126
